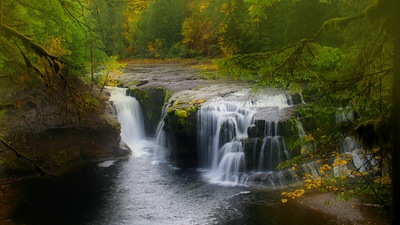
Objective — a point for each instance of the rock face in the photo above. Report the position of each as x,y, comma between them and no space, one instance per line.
183,90
151,101
52,137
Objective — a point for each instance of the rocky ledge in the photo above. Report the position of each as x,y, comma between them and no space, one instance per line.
182,91
41,133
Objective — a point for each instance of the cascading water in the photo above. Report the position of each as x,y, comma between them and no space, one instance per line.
352,150
222,124
129,115
273,151
162,147
302,99
267,158
222,129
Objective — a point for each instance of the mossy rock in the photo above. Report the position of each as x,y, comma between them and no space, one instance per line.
181,130
151,102
181,113
182,121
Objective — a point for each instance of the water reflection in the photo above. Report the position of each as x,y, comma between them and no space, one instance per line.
133,191
136,191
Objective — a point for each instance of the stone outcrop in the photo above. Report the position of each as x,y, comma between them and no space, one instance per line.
184,91
151,101
53,137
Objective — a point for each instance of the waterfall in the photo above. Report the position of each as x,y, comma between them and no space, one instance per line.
344,115
222,127
273,151
273,148
352,149
309,147
220,123
302,99
129,115
162,147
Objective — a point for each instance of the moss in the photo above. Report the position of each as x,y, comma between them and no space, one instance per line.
63,157
16,164
3,113
181,113
167,96
291,134
151,102
191,109
177,103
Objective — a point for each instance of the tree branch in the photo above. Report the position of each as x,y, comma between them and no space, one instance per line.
19,154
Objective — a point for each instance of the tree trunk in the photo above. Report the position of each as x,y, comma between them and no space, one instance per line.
396,118
1,12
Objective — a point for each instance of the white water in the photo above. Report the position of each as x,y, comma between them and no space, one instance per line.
352,150
106,164
129,115
161,150
302,99
222,125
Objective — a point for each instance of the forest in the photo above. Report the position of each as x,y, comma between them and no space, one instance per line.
338,53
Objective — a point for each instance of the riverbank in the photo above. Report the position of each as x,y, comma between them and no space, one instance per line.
353,211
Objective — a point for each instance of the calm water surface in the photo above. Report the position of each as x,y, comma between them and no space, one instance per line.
140,190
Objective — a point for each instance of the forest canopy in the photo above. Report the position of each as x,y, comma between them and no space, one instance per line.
338,53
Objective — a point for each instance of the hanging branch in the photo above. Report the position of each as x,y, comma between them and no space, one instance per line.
54,61
30,44
19,154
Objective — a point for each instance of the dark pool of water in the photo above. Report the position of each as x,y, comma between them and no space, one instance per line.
139,191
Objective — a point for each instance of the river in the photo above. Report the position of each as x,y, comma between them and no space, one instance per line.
147,190
140,190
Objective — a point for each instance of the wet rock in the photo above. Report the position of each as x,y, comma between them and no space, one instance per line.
142,82
187,92
151,101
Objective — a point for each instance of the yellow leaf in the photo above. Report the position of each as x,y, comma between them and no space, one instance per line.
284,200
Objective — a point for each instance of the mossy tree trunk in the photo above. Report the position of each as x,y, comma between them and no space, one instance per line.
396,119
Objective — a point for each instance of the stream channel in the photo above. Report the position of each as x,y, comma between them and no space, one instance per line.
145,189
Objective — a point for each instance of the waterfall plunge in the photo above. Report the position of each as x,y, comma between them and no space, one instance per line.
129,115
222,125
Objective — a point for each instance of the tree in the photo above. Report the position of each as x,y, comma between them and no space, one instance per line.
109,19
42,64
396,114
159,28
359,74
